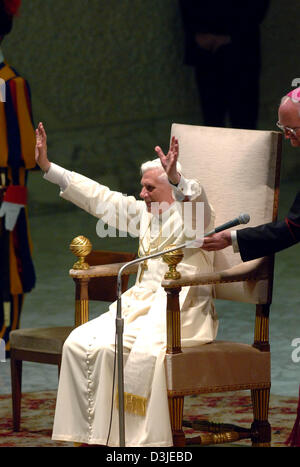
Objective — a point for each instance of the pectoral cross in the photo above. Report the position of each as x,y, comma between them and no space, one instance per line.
144,267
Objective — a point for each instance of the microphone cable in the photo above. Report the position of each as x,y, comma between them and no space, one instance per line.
113,390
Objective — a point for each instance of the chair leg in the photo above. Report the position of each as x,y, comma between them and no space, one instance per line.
176,416
16,387
261,427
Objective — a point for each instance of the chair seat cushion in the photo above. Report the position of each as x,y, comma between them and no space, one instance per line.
216,367
49,340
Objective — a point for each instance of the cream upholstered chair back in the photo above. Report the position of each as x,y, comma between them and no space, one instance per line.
239,170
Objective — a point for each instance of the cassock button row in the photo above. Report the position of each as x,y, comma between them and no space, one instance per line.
89,391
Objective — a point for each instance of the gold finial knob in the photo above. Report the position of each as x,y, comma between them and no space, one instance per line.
172,259
81,247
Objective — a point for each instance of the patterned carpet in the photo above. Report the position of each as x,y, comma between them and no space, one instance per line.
38,409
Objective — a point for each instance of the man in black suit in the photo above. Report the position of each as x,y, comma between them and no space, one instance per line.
263,240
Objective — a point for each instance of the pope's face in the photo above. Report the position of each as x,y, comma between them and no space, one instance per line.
289,116
156,191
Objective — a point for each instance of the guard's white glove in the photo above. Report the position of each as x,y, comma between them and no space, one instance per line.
15,198
11,212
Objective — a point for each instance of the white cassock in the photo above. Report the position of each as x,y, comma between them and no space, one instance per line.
84,399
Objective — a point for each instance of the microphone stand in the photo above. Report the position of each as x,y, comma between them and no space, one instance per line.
120,320
120,328
119,331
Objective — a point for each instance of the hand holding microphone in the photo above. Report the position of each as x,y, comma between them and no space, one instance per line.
214,243
218,239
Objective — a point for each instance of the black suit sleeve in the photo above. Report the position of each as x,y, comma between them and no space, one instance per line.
266,239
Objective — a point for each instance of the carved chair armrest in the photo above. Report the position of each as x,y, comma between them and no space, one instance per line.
103,270
83,277
251,271
255,270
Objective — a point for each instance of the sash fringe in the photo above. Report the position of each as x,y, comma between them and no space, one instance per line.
136,405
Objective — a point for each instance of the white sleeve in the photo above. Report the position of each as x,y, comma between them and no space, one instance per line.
58,175
192,190
235,244
184,188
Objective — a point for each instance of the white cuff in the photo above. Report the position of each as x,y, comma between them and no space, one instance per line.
234,241
58,175
183,189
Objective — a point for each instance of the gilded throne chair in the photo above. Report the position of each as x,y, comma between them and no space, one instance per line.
240,170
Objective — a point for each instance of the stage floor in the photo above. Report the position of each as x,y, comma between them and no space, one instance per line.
38,412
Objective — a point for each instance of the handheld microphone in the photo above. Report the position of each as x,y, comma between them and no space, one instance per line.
242,219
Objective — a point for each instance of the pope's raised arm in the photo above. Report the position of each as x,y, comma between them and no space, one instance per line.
115,209
169,161
41,153
183,189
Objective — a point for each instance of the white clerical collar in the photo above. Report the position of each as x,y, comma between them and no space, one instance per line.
1,56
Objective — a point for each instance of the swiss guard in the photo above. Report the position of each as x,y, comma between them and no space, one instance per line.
17,143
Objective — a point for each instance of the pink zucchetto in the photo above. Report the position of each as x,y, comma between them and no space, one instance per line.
294,95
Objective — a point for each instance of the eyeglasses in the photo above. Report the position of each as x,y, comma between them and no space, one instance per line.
283,128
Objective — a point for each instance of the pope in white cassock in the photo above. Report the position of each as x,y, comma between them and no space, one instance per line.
84,398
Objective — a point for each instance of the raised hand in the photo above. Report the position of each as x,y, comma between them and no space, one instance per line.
168,161
41,156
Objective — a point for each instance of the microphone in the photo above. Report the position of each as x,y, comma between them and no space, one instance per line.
242,219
